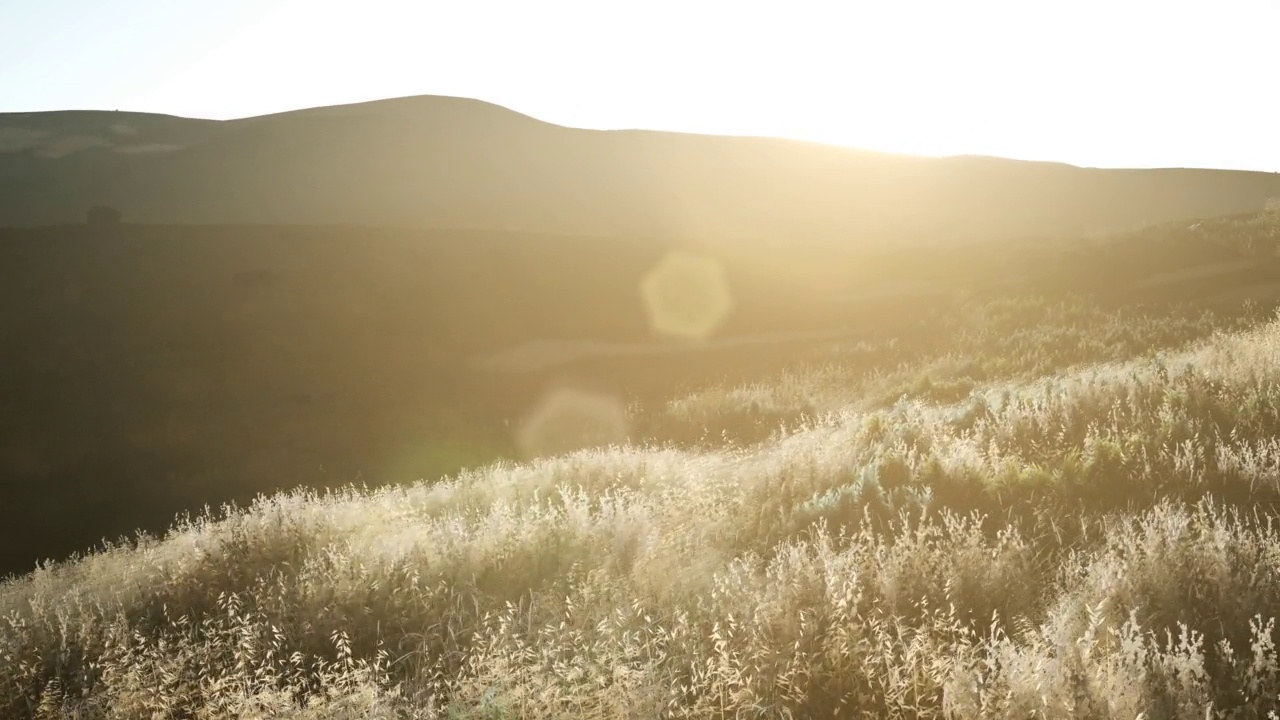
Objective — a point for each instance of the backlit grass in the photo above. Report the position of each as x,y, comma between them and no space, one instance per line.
1086,531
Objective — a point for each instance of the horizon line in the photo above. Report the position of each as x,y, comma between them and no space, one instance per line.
463,98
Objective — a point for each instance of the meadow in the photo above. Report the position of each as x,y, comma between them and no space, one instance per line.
1022,504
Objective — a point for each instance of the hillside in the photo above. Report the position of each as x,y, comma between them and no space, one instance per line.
435,162
1018,505
153,369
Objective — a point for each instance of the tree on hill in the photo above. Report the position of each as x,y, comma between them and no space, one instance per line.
102,215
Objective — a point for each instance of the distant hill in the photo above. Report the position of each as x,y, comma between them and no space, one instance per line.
449,162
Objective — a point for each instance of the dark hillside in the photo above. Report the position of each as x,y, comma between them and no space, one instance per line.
451,162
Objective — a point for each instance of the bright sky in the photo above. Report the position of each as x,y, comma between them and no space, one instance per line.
1108,83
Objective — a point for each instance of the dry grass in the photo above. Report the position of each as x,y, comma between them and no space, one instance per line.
1098,542
948,356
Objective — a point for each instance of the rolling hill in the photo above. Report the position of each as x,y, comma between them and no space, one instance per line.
435,162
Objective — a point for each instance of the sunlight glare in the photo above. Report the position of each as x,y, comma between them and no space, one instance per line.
570,419
686,295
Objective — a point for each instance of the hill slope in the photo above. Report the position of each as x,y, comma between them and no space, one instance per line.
449,162
151,369
1096,543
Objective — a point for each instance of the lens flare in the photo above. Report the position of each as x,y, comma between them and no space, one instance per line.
686,295
570,419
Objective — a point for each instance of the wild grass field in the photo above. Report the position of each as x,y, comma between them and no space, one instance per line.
1018,506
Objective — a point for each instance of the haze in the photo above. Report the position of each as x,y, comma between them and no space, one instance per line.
1132,84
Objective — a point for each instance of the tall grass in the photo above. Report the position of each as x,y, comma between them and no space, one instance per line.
1087,537
944,357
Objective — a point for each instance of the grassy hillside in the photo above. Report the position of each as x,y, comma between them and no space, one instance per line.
153,369
1012,501
451,162
150,369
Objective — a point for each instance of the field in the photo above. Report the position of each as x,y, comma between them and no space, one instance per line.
1052,493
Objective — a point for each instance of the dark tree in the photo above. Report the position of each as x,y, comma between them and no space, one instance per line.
102,215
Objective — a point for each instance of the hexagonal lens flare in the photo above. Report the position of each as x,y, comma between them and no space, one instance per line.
686,295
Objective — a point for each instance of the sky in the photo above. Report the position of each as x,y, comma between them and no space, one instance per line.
1102,83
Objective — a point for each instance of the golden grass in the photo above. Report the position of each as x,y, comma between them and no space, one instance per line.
1097,542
